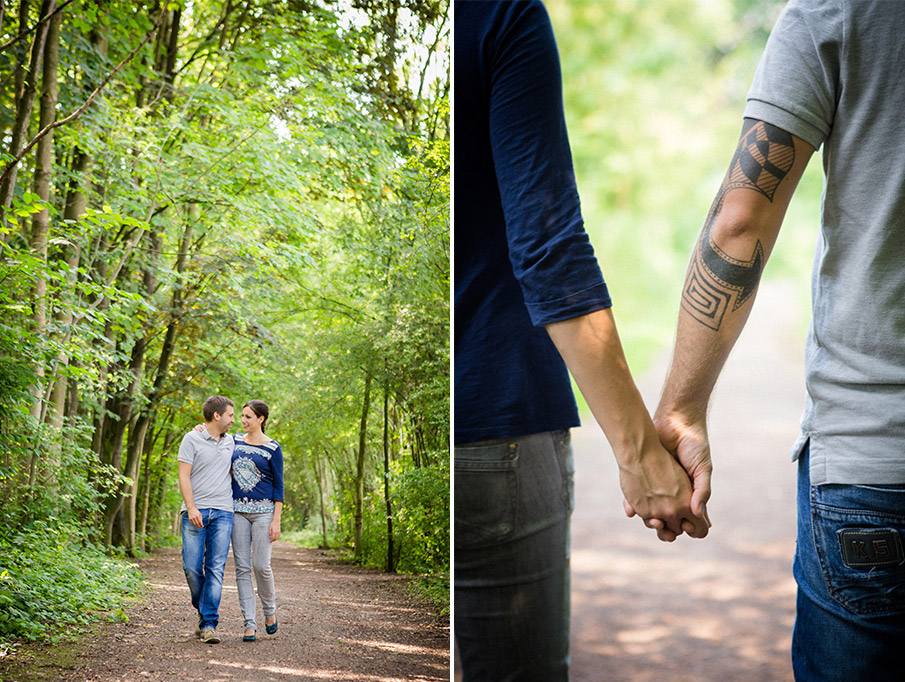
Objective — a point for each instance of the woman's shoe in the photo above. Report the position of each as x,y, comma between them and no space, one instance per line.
249,638
271,629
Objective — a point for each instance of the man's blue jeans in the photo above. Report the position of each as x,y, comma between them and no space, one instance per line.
204,553
850,569
513,501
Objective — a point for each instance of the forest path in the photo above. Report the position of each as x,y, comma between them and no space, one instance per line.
336,622
721,608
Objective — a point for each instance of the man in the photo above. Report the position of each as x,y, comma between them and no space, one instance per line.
528,294
207,511
831,75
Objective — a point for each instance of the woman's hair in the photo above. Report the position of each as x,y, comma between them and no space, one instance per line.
259,407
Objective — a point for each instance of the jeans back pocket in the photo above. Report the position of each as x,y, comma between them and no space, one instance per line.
858,533
486,493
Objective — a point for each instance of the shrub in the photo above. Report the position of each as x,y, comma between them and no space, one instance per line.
51,576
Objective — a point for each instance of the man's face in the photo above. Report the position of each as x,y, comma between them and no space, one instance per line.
225,420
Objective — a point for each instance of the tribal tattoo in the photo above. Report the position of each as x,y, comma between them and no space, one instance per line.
716,280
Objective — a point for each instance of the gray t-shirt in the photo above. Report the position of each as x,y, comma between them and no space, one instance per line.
833,73
211,461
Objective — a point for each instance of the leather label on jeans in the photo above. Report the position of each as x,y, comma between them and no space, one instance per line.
871,548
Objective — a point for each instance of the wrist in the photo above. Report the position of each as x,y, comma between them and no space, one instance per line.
670,414
632,449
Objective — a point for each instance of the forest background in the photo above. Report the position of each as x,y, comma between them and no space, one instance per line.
654,92
237,197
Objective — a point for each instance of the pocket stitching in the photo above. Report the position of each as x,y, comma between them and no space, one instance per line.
824,563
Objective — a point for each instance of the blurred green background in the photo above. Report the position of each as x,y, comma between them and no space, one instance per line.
654,92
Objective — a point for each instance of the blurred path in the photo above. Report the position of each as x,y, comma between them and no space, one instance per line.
715,609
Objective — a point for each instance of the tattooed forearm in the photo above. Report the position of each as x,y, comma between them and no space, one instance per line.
715,280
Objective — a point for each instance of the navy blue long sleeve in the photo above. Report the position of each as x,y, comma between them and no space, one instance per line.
522,256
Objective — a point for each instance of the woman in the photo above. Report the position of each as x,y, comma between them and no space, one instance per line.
258,504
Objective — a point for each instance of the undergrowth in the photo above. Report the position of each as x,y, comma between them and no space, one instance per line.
54,584
433,588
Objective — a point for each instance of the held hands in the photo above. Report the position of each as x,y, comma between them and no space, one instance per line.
658,489
687,441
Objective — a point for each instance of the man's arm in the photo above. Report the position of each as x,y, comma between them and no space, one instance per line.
185,487
652,481
720,286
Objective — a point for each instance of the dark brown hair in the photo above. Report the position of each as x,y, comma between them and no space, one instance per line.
216,404
259,407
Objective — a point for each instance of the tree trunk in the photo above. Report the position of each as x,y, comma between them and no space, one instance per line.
150,484
360,472
40,224
114,431
25,99
137,435
391,561
319,472
76,203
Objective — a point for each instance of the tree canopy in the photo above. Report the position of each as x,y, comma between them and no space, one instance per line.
237,197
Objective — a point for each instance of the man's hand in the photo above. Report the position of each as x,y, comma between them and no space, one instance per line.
688,441
195,517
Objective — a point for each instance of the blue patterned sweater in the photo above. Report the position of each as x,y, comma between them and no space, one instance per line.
257,476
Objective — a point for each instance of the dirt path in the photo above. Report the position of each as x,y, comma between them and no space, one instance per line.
720,608
336,622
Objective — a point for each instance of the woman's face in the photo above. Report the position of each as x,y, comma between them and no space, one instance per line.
250,421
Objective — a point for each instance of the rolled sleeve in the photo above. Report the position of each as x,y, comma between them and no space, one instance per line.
551,256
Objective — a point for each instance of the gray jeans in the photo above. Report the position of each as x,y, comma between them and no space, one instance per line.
513,503
251,550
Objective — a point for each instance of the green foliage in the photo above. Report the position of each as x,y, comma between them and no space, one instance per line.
421,517
53,582
310,537
433,588
263,216
654,93
48,483
420,499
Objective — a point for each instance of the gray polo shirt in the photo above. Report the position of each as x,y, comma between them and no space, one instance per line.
211,461
832,74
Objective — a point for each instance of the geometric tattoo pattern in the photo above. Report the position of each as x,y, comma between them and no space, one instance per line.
716,281
763,158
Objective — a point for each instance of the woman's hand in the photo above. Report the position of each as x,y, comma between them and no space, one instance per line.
274,530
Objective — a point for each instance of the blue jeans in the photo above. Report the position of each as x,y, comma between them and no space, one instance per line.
204,553
850,569
513,501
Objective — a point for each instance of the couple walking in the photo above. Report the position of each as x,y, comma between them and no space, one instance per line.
232,488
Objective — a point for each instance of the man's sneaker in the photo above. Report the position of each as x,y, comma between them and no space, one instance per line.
209,636
198,630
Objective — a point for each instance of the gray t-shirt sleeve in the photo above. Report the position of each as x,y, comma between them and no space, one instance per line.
187,450
796,83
